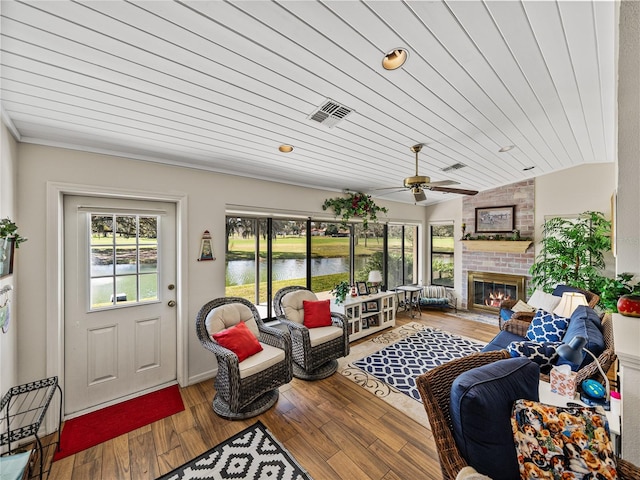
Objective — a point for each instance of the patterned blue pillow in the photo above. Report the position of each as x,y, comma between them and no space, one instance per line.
544,354
547,327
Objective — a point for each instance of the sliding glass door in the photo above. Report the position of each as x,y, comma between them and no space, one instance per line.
265,254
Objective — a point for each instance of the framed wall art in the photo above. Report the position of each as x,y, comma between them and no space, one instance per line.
496,219
7,246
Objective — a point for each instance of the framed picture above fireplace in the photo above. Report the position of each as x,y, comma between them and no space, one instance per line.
496,219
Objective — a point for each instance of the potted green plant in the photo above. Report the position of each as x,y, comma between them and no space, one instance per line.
355,204
572,252
8,229
340,291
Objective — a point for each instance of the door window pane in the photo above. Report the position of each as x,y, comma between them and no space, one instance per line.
123,249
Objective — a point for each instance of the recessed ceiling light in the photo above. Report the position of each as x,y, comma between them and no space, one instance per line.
395,58
507,148
529,168
286,148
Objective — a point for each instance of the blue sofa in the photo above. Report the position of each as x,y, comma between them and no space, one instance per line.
584,322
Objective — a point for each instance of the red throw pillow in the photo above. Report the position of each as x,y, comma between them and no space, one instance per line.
240,340
317,314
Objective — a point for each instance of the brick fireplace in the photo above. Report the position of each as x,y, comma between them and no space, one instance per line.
522,195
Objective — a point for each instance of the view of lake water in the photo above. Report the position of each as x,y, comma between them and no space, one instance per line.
241,272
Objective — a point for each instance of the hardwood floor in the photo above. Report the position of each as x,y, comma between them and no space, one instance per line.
334,429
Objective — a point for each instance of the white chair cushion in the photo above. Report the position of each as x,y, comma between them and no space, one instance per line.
260,361
321,335
228,315
292,304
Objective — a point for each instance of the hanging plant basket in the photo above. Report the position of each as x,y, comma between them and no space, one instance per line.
354,205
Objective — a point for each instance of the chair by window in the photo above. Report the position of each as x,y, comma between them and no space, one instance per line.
315,350
249,387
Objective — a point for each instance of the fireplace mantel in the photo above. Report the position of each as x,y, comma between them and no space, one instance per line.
506,246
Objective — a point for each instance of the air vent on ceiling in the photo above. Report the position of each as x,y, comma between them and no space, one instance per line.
330,113
455,166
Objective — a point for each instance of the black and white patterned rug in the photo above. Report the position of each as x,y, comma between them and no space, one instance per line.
252,454
399,364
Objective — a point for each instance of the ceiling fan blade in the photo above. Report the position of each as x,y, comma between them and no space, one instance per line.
418,194
386,188
392,190
461,191
443,183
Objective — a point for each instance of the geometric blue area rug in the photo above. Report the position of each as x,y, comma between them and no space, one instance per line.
399,364
251,454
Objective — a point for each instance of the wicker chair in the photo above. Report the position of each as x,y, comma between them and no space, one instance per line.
592,300
606,358
239,392
316,350
435,388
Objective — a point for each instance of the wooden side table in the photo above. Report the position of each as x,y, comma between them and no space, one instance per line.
613,415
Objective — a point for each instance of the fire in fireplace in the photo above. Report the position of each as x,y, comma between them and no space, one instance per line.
496,298
487,290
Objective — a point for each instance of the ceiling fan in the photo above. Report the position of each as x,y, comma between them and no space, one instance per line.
417,184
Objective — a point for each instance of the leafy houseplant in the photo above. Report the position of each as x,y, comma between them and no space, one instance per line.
572,252
355,204
611,289
341,290
8,229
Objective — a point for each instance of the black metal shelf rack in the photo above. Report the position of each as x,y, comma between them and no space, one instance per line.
22,410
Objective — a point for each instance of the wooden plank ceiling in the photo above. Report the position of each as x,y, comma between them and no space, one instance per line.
220,85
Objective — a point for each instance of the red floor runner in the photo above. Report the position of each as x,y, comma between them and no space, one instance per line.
96,427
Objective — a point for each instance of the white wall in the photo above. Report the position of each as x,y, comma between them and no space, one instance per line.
207,194
8,341
628,231
628,211
576,190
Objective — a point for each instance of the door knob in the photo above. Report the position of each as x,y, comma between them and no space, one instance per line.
172,303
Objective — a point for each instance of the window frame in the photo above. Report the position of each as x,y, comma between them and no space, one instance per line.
449,283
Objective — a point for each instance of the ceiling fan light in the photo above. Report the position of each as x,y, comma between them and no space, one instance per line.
395,59
286,148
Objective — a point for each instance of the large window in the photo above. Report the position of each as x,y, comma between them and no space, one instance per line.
369,251
265,254
330,255
402,255
442,250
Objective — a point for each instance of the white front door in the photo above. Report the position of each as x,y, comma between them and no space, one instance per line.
120,320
